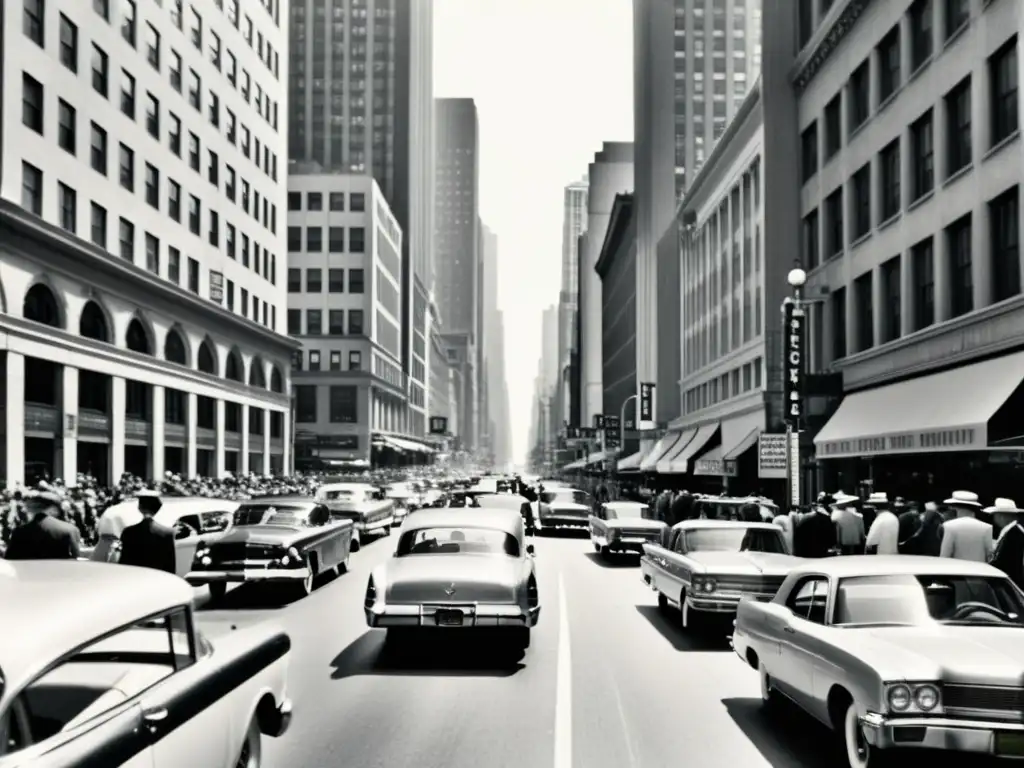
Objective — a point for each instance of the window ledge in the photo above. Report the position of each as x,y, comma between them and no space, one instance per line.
861,239
999,145
949,41
921,200
889,221
956,176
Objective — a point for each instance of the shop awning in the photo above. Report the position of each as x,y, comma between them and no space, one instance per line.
680,462
710,464
740,434
666,443
594,458
578,464
938,413
631,463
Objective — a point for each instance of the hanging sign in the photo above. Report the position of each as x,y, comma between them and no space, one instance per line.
793,333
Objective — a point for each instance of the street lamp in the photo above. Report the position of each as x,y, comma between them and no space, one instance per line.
792,367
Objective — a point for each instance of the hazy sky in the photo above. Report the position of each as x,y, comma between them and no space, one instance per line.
552,80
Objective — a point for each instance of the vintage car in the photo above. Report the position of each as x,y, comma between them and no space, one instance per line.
283,540
511,502
365,505
457,569
708,566
562,508
751,509
406,496
895,652
622,527
129,679
197,521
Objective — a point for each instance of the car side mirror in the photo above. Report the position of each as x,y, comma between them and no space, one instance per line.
530,550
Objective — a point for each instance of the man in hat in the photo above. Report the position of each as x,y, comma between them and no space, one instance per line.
149,544
849,523
44,537
814,533
966,537
927,539
1009,549
884,535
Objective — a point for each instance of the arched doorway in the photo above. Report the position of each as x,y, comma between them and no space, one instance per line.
94,416
43,391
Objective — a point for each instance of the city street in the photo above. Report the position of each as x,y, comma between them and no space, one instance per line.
608,683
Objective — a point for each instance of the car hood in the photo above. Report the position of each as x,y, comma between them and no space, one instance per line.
976,655
474,578
744,563
260,534
566,506
637,524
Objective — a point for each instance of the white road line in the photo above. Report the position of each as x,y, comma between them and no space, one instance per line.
563,686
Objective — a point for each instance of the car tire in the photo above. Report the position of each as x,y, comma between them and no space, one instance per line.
605,552
854,751
520,639
769,696
343,565
386,531
308,584
217,590
597,547
354,546
663,605
251,753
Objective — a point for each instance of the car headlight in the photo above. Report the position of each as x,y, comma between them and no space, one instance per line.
908,698
899,698
704,584
291,556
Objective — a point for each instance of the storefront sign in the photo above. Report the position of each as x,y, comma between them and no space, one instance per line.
217,287
932,441
646,405
611,422
794,463
338,442
794,329
771,456
439,425
715,467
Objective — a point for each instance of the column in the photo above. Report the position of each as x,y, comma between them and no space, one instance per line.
69,407
218,423
266,441
117,427
880,307
940,267
157,438
908,301
243,459
191,433
286,433
14,414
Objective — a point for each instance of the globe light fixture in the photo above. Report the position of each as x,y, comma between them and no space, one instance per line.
796,278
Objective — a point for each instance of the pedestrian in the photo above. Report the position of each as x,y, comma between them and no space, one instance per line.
884,534
966,537
909,525
1009,549
849,523
44,536
814,533
149,544
927,540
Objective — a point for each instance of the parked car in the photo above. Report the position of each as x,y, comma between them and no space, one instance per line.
457,569
894,651
708,566
104,665
623,527
562,508
283,540
509,501
365,505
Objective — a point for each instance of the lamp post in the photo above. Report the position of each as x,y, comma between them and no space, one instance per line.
792,371
622,421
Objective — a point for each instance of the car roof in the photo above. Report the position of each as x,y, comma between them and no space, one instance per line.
510,498
896,565
621,504
693,525
346,487
273,501
49,608
507,520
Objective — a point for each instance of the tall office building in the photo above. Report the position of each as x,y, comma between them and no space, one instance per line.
142,219
491,345
574,224
457,249
361,101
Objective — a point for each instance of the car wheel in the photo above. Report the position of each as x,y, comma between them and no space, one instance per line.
854,746
387,530
605,552
597,547
217,590
354,546
769,696
309,579
663,605
251,754
343,565
520,639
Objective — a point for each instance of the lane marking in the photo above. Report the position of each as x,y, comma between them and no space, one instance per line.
563,685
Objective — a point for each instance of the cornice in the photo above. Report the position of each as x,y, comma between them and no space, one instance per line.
825,41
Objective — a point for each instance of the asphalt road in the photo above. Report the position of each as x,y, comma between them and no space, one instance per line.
608,683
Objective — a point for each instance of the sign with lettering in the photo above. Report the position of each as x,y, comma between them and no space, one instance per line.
612,422
793,371
646,405
715,467
439,425
217,287
771,456
599,421
929,441
794,463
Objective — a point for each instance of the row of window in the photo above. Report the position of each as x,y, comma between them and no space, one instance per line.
314,241
335,201
335,280
734,383
342,404
312,360
335,322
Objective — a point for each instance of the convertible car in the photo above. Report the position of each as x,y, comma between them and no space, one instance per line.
562,508
457,570
365,505
129,679
282,541
894,652
621,527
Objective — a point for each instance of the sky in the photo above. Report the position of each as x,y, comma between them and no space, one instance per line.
552,80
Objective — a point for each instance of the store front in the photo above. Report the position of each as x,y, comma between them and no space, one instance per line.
731,466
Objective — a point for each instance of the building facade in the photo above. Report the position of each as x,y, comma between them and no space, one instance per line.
345,306
911,163
142,214
574,223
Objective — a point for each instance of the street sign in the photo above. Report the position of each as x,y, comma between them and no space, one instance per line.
646,405
794,463
794,317
771,456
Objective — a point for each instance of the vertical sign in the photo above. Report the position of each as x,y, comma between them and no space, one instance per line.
792,389
438,425
794,471
217,287
598,421
646,406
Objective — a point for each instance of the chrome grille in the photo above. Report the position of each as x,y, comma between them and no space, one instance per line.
640,533
758,584
984,697
229,551
260,551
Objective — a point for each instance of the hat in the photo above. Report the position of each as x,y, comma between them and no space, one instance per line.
825,499
963,499
1006,506
44,499
843,499
931,506
878,499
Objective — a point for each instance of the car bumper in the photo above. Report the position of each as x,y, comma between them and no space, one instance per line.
474,616
277,724
721,602
564,521
626,544
237,576
959,735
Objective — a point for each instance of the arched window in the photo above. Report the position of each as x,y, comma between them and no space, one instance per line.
276,382
257,378
93,323
174,348
207,358
41,306
136,338
234,366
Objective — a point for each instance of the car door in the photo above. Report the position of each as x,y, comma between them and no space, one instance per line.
186,539
806,603
330,549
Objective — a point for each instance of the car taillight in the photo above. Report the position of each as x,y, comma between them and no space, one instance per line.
371,594
532,598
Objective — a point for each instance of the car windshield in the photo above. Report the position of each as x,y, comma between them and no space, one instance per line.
290,516
565,496
627,512
450,541
493,501
344,494
906,599
735,540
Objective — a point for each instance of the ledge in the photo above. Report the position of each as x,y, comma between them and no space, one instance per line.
825,40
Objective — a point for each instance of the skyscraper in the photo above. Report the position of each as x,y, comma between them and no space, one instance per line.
361,101
574,223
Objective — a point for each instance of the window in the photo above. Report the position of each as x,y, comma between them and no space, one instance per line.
336,280
812,250
922,32
174,265
958,127
195,90
174,200
152,253
294,239
355,360
31,189
213,235
859,96
923,266
174,133
215,50
922,159
127,94
32,103
810,601
314,360
153,47
314,322
100,72
357,202
193,275
355,281
805,22
68,43
102,8
33,13
891,297
128,22
809,152
889,65
314,281
889,180
335,360
294,201
958,13
175,70
294,280
355,322
336,322
212,167
67,120
314,201
861,192
862,288
214,110
833,126
314,239
961,279
196,29
337,201
126,239
98,225
336,240
152,186
344,404
295,322
232,125
194,215
152,116
67,202
1004,218
356,239
126,173
305,403
193,151
838,323
1003,79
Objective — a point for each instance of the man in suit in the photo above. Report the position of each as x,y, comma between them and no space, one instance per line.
1009,549
44,537
814,533
966,537
149,544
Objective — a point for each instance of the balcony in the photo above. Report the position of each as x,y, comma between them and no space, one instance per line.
40,418
94,424
175,433
232,441
206,438
138,430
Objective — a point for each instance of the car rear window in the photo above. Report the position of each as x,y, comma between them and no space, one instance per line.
456,540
